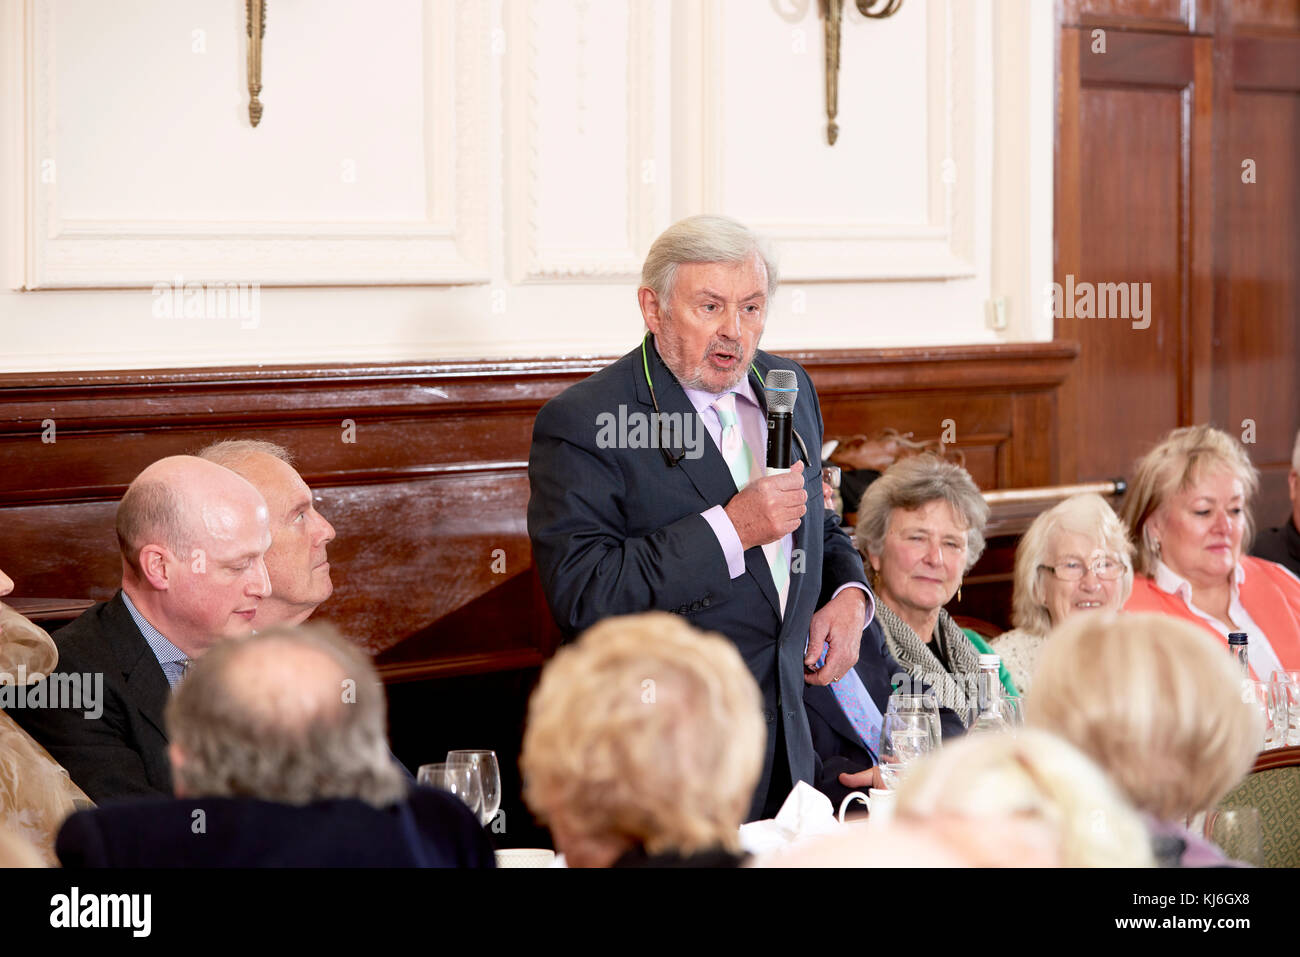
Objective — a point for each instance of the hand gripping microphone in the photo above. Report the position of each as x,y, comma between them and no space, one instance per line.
782,388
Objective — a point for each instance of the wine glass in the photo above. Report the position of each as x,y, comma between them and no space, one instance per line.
904,737
461,780
489,775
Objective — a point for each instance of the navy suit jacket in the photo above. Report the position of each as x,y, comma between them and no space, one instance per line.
429,829
838,746
617,531
123,753
1281,545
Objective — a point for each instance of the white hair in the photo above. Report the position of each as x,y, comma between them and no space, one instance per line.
703,239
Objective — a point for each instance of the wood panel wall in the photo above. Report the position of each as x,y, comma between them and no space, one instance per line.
430,498
431,565
1152,135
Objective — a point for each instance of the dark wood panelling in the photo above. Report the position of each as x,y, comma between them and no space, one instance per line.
1151,138
990,394
1168,15
431,565
1257,327
1131,189
1265,15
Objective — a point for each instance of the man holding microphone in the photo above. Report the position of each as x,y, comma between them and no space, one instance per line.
644,519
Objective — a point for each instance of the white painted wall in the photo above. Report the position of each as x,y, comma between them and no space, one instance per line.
473,178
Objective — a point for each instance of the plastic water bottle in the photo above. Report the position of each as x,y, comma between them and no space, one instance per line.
989,714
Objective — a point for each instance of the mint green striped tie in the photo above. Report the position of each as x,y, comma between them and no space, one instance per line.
743,465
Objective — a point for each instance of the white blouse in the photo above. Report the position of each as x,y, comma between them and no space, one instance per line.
1263,659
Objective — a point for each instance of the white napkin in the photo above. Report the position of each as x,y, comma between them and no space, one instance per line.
806,813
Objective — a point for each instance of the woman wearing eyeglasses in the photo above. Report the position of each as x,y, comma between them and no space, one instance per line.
1075,557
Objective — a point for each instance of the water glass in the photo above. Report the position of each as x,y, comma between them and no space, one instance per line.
1287,687
1260,694
904,737
1237,831
1013,711
925,703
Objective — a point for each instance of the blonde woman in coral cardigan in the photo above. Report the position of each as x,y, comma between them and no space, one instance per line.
1189,513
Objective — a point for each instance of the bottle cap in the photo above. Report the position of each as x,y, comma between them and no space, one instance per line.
990,661
1238,638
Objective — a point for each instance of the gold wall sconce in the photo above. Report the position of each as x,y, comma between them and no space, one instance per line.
875,10
255,10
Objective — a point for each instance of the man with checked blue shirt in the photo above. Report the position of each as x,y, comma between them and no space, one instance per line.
192,536
693,525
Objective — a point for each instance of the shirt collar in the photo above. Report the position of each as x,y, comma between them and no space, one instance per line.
162,649
1172,583
703,400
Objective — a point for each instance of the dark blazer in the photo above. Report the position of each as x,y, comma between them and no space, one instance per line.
617,531
122,753
838,747
429,829
1281,545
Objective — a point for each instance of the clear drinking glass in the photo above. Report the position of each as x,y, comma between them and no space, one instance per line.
1261,695
904,737
461,780
926,703
489,775
1237,831
1014,711
1288,683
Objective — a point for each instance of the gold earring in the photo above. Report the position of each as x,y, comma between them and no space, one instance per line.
959,593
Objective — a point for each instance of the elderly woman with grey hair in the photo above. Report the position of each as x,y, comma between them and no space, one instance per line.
921,528
1076,556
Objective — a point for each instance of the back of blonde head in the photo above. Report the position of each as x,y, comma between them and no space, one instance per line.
1152,699
648,730
1030,791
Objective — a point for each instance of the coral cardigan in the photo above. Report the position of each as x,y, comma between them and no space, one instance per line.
1269,592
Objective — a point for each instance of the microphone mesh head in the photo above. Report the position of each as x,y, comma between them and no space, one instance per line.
782,388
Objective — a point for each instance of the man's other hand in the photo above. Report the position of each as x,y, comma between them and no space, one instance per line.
838,623
769,509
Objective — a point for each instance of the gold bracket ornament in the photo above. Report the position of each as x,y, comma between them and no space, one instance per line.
873,9
256,13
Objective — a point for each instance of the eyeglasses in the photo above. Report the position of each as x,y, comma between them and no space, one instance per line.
1071,570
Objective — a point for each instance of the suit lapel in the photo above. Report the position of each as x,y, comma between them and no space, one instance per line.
145,682
708,473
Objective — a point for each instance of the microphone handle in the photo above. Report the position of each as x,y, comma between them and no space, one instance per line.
780,425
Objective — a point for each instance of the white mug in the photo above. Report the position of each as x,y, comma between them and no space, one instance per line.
850,798
882,798
881,807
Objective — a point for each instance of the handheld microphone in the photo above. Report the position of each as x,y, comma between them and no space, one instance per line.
782,388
